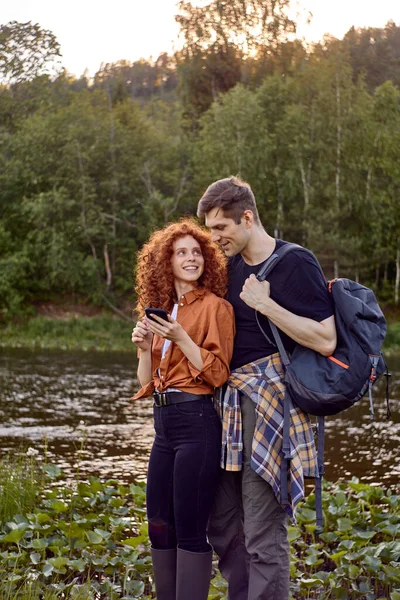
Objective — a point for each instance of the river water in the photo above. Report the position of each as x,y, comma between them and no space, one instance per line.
76,407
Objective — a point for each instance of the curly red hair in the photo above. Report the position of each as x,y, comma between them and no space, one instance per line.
154,276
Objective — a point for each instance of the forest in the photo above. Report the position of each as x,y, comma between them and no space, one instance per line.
89,166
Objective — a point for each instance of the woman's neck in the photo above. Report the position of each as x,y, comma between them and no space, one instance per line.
182,288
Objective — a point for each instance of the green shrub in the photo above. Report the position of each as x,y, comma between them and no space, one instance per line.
88,540
392,340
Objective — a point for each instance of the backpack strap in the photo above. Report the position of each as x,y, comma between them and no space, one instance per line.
267,267
387,375
262,274
275,258
321,471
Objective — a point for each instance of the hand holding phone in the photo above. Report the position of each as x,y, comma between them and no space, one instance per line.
169,329
159,312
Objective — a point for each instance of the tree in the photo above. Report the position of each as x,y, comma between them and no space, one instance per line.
26,51
218,37
247,25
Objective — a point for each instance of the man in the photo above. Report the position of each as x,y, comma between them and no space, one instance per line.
248,527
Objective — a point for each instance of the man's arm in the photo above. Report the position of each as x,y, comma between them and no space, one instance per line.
320,337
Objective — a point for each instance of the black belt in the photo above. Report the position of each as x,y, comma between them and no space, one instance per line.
166,398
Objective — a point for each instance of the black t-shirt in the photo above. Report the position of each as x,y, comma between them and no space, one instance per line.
297,285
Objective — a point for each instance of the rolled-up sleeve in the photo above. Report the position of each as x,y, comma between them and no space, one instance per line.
217,346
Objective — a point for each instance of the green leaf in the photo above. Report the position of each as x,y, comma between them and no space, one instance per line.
311,582
372,563
13,537
84,490
345,524
313,560
104,534
337,556
78,564
135,587
390,550
53,471
354,571
47,569
58,562
393,573
293,533
363,535
35,557
94,538
100,561
59,506
40,544
391,529
42,518
306,515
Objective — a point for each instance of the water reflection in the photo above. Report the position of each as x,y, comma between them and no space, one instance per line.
79,403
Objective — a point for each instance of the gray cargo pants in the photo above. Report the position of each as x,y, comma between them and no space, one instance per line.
248,528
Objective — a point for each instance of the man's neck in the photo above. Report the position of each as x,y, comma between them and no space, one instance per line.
259,248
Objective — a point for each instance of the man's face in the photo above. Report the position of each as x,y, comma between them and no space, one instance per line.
230,236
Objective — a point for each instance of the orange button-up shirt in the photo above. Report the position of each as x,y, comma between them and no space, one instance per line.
209,321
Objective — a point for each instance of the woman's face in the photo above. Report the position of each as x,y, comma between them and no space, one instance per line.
187,260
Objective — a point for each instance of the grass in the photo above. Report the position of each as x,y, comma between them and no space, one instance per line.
83,333
20,480
101,333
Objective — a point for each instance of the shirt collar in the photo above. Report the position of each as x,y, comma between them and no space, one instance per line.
191,296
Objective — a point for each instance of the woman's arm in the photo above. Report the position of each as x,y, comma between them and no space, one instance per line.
174,332
190,350
143,337
210,361
144,371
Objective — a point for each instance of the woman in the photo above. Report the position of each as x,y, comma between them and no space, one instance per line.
181,362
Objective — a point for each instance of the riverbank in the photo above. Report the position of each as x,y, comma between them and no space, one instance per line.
101,333
97,333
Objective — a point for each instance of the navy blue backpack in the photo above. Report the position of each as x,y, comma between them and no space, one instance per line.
321,385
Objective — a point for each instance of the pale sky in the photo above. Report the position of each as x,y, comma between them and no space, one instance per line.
91,32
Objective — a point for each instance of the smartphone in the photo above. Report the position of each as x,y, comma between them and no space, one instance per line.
160,312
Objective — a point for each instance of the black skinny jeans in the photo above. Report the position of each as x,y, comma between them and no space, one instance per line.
183,475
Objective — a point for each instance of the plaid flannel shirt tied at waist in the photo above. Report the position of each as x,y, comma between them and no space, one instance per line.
262,381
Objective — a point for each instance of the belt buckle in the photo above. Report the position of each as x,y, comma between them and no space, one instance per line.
160,399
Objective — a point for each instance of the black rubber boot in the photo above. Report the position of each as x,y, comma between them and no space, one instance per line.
164,569
193,575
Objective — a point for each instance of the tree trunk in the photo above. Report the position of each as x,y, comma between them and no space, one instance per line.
239,153
338,143
335,269
369,172
377,274
278,231
397,282
107,266
306,199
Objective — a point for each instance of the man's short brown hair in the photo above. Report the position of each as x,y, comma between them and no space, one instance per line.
231,194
